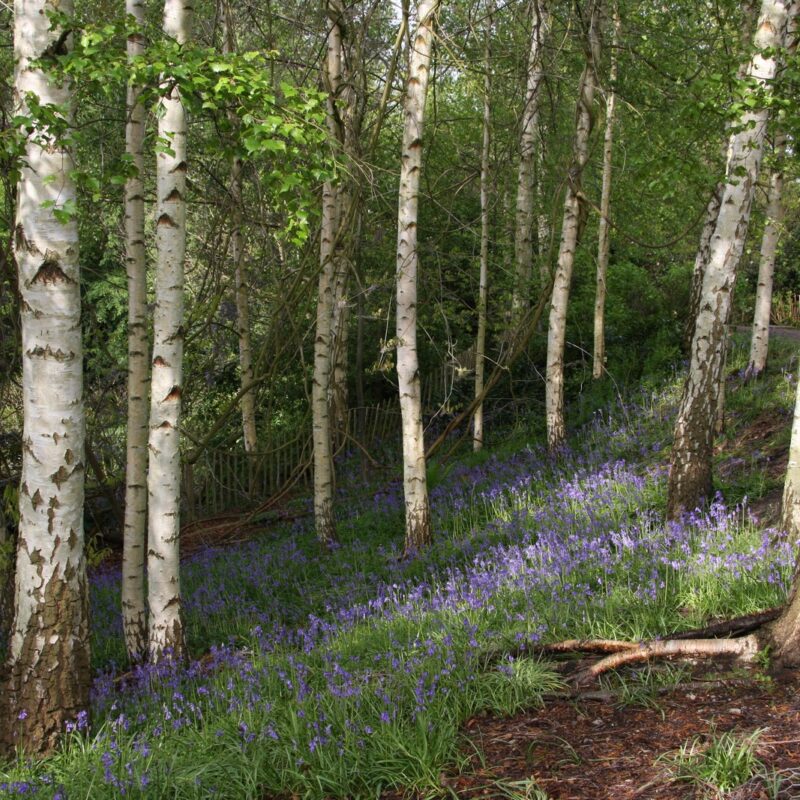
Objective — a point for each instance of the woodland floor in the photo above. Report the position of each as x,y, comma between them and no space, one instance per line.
600,749
594,749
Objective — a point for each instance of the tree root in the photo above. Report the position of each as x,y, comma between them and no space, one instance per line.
745,649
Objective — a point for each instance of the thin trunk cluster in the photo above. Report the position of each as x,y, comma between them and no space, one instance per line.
529,158
166,635
690,466
571,229
48,665
241,290
483,281
604,228
415,485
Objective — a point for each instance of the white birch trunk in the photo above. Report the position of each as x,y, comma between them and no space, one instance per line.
164,479
323,350
759,345
604,229
480,343
690,467
529,147
241,291
700,261
415,485
570,234
48,664
134,614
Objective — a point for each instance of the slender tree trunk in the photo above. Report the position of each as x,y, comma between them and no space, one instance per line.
571,228
480,343
339,340
164,477
415,485
48,663
529,141
604,230
690,467
712,209
700,261
247,374
323,349
134,614
759,346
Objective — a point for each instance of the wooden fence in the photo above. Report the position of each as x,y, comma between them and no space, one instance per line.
221,481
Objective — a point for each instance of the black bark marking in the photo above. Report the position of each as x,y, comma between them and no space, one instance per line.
50,271
167,221
173,197
158,361
173,394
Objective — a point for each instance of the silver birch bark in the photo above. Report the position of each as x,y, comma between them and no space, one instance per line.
570,234
480,343
690,465
415,485
529,143
166,636
323,352
134,614
712,209
759,344
700,261
48,662
790,512
604,229
247,374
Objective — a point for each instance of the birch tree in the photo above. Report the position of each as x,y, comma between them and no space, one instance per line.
241,293
571,229
48,661
134,614
480,342
415,486
759,343
690,465
604,229
530,145
323,351
166,636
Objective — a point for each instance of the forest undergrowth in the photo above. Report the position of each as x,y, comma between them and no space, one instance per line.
343,675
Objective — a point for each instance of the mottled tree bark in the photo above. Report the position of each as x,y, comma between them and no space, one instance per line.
529,147
134,613
759,344
166,634
570,232
483,281
604,229
415,485
690,466
48,662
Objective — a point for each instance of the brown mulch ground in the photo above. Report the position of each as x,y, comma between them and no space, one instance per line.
594,750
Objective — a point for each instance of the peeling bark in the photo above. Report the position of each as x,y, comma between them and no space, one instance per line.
415,486
571,227
48,663
690,466
166,637
134,614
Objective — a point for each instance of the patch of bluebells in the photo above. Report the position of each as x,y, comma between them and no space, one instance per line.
541,545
